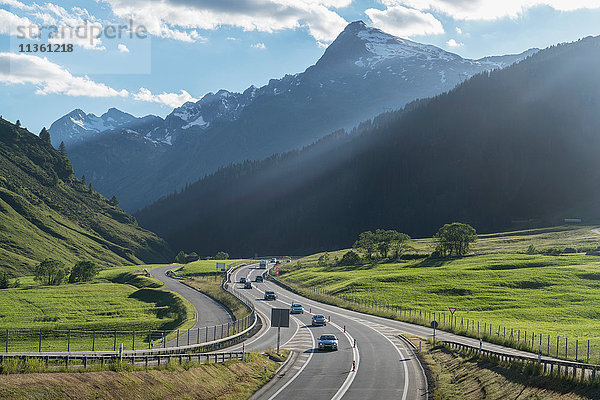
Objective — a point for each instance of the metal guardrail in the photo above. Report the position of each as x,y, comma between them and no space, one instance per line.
248,325
546,365
83,360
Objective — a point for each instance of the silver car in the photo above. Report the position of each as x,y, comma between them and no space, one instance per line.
319,320
328,342
296,309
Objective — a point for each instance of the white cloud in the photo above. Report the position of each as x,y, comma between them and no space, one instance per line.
454,43
260,46
11,24
459,31
122,48
170,99
405,22
50,78
16,4
490,9
179,19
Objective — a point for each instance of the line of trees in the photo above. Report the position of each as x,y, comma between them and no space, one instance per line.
53,272
382,242
183,258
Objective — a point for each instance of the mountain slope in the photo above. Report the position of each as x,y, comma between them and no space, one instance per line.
46,212
363,73
515,144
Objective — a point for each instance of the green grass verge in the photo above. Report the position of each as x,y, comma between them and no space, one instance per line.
207,267
548,295
212,288
232,380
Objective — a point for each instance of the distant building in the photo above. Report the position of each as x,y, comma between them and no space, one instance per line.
572,220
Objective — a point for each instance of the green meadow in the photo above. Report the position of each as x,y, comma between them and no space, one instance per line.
499,284
121,299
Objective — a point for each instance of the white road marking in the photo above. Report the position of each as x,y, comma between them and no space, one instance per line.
299,371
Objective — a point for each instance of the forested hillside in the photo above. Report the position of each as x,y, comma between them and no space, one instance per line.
46,212
514,144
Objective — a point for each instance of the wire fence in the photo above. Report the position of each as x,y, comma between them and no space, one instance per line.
559,346
62,340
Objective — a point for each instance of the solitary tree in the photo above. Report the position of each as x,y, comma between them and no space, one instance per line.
83,271
454,239
222,256
324,260
191,257
18,123
180,258
45,135
367,243
50,272
350,258
83,180
91,187
4,282
113,201
62,149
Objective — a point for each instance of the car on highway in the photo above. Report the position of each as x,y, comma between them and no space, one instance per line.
328,342
274,260
270,295
296,309
319,320
248,285
262,264
258,278
243,279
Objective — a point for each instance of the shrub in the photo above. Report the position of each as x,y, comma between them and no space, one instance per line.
350,258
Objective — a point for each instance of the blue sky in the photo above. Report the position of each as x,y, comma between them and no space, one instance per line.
191,47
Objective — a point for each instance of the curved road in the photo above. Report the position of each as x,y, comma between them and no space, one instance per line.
208,312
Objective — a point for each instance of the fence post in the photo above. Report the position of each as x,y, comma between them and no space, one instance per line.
576,349
177,337
94,341
133,342
149,339
69,342
557,344
164,343
198,337
588,353
115,342
40,343
206,331
7,340
566,348
188,338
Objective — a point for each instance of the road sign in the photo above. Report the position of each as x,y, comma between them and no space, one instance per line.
434,324
221,267
280,317
452,310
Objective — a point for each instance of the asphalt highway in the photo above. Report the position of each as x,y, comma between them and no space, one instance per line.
384,365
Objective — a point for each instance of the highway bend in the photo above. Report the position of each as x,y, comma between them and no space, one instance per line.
384,365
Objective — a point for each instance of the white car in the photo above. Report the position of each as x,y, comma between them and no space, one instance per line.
296,309
328,342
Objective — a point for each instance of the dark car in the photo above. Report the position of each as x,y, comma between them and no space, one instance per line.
248,285
243,279
259,278
270,295
319,320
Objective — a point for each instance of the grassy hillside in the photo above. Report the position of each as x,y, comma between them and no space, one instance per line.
46,212
498,284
